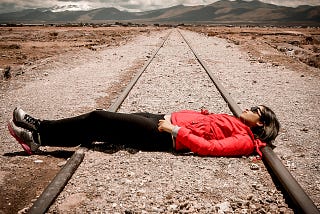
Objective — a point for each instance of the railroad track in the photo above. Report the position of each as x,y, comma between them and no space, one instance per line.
286,180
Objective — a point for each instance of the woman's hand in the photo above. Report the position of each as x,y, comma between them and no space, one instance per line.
165,125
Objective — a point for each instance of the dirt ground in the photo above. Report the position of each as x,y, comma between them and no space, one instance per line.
22,50
292,44
22,47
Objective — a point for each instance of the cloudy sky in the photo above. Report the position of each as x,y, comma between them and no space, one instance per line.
128,5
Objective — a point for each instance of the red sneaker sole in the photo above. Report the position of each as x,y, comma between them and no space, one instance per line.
20,141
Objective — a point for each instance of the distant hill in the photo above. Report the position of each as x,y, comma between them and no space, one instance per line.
221,12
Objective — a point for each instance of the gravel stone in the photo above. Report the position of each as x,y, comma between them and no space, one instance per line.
155,182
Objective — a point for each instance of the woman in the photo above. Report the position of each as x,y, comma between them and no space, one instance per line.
202,133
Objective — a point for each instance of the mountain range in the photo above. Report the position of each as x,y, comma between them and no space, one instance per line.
220,12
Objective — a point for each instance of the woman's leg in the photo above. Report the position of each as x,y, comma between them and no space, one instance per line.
139,130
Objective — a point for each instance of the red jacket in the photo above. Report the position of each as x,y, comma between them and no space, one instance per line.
213,134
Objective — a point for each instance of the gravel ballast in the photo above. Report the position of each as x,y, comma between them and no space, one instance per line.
144,182
129,181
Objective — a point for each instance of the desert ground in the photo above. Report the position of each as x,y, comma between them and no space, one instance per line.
22,46
23,50
26,53
300,44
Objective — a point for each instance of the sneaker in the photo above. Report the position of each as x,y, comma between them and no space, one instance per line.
30,141
24,120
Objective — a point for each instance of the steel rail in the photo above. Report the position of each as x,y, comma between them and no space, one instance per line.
51,192
292,187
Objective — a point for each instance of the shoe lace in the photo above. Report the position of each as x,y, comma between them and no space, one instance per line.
31,120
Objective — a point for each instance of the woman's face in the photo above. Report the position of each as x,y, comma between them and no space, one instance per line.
252,117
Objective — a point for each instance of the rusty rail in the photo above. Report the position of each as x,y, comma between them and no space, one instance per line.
294,190
51,192
292,187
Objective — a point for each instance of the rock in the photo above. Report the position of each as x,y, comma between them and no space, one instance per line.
62,163
254,166
223,207
273,208
173,207
244,211
249,197
7,72
283,210
23,211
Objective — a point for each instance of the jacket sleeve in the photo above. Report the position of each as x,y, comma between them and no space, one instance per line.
236,145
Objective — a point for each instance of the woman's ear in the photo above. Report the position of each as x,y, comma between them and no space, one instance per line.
259,123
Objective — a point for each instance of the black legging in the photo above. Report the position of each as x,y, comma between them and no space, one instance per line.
136,130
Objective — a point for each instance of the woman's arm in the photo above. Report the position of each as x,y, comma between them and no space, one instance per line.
239,144
236,145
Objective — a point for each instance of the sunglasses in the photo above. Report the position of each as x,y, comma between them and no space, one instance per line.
257,110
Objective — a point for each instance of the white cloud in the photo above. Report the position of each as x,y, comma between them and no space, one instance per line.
71,6
129,5
293,3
